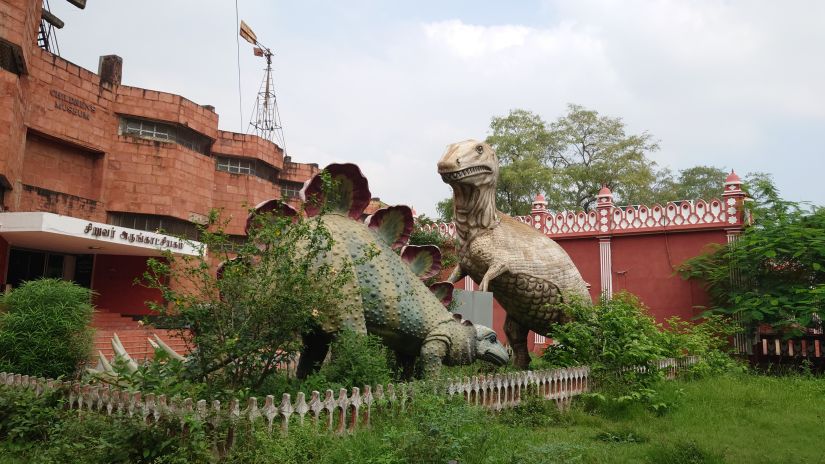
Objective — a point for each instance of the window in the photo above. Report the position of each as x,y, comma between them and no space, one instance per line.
247,166
291,190
165,132
236,165
155,223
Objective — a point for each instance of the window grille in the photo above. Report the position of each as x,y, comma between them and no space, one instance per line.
247,166
165,132
290,190
236,165
155,223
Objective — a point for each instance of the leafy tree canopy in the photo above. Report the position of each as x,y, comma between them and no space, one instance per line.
571,158
775,272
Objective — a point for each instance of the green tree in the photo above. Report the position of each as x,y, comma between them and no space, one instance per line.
44,328
594,150
273,287
569,160
703,182
774,273
445,209
523,145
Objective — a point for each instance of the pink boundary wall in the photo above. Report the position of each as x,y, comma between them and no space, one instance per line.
635,248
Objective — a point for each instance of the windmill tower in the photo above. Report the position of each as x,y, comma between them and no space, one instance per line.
265,120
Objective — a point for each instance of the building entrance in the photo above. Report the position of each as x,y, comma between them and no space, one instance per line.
34,264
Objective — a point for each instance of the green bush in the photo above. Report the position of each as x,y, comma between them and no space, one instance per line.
356,360
609,337
618,336
44,330
780,264
38,429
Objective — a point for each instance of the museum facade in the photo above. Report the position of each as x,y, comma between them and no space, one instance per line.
96,177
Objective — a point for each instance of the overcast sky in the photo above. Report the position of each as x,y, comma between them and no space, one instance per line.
387,85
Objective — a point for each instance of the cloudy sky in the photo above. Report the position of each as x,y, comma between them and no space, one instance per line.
736,84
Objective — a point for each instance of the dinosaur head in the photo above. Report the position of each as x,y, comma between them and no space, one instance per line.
469,163
469,342
488,348
471,169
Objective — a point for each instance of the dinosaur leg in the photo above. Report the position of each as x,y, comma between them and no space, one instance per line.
407,364
517,336
495,270
433,353
456,275
316,345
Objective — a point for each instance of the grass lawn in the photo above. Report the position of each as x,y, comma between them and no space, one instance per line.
741,418
737,419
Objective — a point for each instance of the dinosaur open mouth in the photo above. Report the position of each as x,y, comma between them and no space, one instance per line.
471,171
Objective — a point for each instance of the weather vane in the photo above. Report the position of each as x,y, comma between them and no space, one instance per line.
266,120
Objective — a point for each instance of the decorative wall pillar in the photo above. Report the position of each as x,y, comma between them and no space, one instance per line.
604,212
539,213
606,267
734,201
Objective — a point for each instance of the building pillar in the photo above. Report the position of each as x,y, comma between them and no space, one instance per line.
604,213
606,267
539,213
733,199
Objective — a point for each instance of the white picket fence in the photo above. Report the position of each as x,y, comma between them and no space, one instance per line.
345,413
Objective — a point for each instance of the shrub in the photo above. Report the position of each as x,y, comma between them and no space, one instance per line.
38,429
708,339
609,337
273,286
45,330
357,360
779,266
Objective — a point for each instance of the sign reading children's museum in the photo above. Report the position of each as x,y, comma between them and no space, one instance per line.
145,238
72,105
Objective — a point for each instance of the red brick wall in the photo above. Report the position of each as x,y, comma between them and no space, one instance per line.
131,174
234,190
249,146
62,168
168,107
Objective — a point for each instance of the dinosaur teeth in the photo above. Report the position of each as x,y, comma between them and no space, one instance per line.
455,175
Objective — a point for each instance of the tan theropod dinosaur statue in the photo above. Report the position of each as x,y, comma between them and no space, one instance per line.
528,273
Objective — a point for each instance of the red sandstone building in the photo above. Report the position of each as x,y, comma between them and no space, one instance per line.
96,176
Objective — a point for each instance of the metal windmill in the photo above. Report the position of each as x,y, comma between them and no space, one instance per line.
266,120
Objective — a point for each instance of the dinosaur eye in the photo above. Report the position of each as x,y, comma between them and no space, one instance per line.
479,149
493,338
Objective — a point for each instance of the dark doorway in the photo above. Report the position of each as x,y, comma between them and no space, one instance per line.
27,265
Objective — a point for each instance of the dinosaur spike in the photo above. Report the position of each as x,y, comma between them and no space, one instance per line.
351,193
103,364
443,291
120,352
393,224
172,353
424,260
275,206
